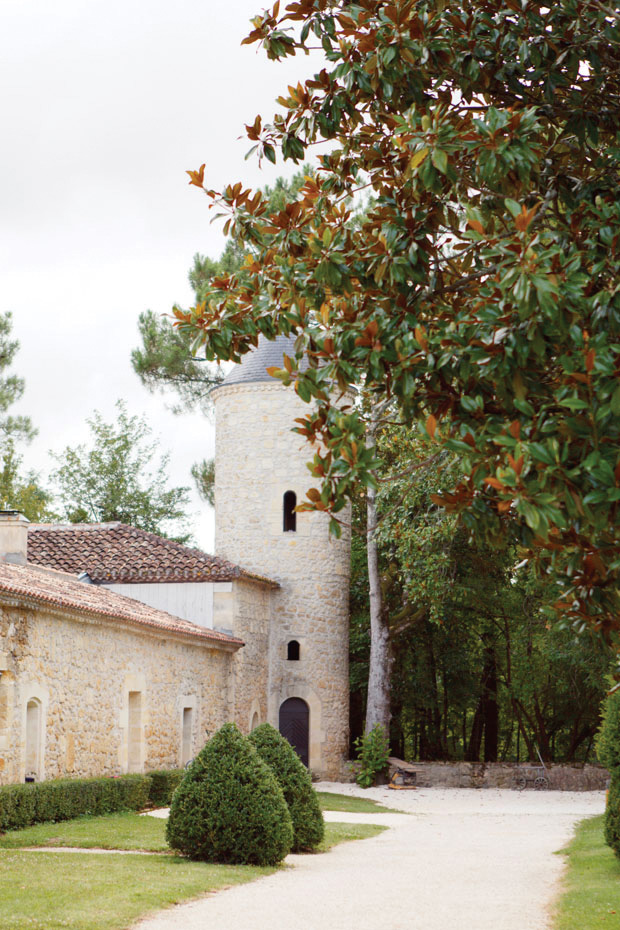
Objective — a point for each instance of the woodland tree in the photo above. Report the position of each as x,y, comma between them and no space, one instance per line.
478,671
121,476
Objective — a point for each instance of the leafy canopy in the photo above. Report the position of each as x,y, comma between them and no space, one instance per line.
480,289
120,476
478,671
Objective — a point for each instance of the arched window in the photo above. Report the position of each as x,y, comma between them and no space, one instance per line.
289,521
292,651
255,721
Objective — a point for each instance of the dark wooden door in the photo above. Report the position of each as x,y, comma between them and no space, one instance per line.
294,724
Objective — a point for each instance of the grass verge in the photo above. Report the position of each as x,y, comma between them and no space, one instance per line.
591,896
82,891
354,805
345,832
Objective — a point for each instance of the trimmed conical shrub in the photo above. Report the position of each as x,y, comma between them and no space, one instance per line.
229,806
294,779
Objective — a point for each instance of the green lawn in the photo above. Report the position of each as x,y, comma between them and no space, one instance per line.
99,891
114,831
344,802
591,895
82,891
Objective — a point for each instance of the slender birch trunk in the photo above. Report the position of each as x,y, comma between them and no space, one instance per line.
378,704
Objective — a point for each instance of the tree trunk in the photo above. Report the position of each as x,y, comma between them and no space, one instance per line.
490,708
486,718
521,713
434,712
472,753
378,702
542,737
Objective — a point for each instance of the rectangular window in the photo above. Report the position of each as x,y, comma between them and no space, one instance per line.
186,747
134,732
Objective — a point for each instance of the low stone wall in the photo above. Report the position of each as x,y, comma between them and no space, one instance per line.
502,775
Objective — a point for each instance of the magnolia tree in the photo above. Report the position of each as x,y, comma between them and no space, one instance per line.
479,291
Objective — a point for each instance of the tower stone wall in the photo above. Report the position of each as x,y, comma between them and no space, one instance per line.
258,459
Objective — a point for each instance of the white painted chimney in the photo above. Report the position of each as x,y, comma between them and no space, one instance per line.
13,537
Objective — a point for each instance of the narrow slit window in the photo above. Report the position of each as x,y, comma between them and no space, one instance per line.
289,515
292,651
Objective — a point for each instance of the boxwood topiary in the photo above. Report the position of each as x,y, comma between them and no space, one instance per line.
612,816
608,752
229,807
608,737
294,779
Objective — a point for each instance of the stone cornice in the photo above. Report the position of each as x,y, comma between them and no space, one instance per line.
249,387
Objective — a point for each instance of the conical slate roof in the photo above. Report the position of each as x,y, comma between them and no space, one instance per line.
253,366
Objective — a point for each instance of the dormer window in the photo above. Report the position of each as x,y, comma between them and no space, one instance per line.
292,651
289,517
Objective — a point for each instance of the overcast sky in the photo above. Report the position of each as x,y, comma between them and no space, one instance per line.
104,106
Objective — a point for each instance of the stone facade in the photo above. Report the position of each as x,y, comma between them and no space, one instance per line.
259,459
252,612
84,695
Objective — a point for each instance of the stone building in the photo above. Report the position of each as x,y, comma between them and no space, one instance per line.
120,651
260,476
94,683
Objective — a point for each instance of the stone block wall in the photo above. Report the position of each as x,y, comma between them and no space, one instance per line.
107,698
502,775
251,621
258,459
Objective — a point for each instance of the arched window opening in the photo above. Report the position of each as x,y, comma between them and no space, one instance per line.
33,740
292,651
255,721
289,515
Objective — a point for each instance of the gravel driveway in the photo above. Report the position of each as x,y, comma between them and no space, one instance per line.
459,860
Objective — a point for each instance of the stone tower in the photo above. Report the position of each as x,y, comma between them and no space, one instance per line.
260,475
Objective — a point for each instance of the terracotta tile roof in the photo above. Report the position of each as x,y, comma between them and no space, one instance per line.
56,589
116,553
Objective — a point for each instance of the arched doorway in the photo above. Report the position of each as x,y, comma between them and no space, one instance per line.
294,724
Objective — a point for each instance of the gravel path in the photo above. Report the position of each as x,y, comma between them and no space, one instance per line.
464,859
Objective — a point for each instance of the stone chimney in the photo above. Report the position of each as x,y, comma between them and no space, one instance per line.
13,537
